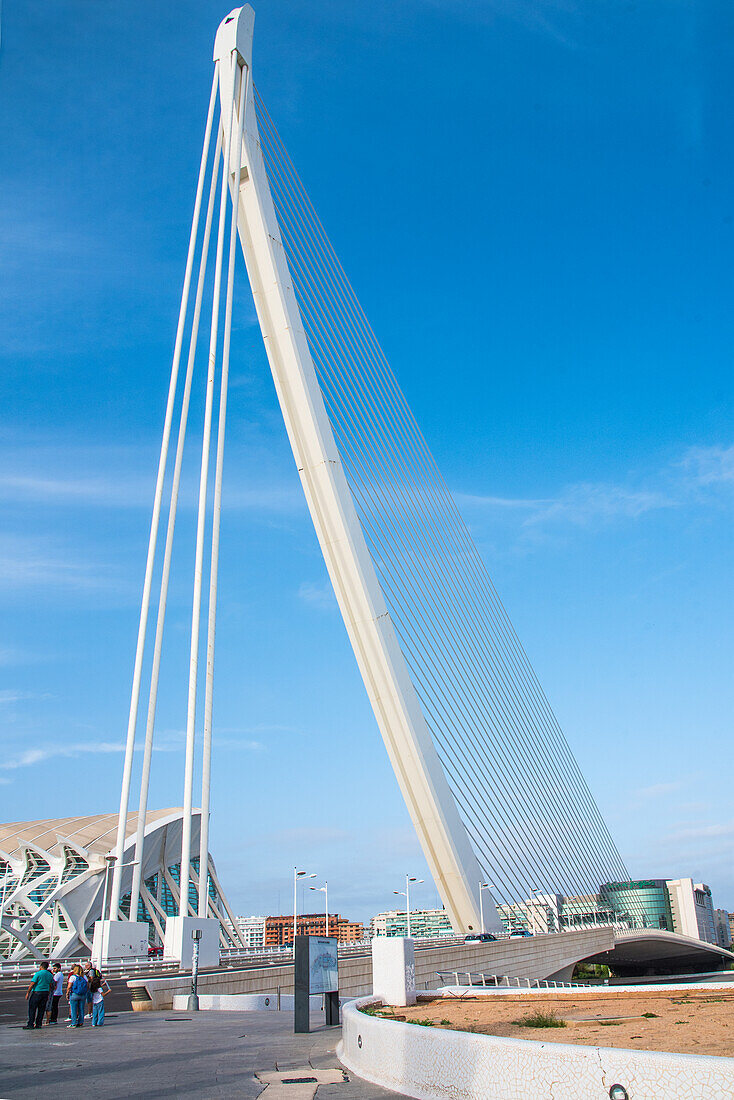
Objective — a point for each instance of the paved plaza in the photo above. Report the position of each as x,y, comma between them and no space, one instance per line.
167,1054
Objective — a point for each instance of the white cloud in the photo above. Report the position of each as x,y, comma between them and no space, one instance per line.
701,832
709,466
9,696
318,595
42,753
658,790
587,502
28,562
39,755
124,477
702,477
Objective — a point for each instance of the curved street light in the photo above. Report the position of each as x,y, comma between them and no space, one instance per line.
406,894
296,875
325,891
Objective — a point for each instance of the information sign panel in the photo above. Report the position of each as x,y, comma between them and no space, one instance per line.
316,970
323,965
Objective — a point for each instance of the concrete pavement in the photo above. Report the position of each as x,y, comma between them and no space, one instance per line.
159,1055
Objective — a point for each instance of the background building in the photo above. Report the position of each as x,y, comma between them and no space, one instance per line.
423,922
722,928
678,905
252,931
54,881
692,908
279,930
643,903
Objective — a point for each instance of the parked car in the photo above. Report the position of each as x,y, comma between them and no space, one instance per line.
520,934
480,937
154,951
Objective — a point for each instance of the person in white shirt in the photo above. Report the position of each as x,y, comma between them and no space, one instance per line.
99,989
52,1005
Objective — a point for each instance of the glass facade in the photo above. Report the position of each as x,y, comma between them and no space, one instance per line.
161,891
645,903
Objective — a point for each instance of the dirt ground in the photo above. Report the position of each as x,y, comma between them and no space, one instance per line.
692,1021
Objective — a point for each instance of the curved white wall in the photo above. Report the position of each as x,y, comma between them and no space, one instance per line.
436,1064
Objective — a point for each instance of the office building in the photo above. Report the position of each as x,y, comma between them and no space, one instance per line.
722,927
423,923
279,930
252,931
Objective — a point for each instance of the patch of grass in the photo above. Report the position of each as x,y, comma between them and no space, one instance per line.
422,1023
650,1016
446,1023
540,1019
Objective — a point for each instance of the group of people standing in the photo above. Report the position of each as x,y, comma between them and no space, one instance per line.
86,988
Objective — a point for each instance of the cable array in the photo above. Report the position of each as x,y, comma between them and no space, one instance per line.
534,824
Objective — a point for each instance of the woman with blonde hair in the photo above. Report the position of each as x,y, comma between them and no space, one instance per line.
76,992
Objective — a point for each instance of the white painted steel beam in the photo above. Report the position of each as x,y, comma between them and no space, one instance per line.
410,747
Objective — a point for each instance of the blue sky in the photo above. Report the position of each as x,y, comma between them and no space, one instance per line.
534,203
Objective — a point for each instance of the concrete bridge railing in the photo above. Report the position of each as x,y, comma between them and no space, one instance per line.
551,956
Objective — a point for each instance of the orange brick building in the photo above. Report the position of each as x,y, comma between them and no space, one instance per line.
279,930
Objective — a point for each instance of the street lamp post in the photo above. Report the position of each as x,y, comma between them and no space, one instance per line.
483,886
6,876
296,875
325,891
406,894
53,931
110,860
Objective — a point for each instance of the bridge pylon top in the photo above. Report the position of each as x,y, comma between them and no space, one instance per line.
235,33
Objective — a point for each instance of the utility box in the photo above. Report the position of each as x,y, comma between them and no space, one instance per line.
178,943
393,970
118,939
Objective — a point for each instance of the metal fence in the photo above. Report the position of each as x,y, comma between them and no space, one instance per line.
501,981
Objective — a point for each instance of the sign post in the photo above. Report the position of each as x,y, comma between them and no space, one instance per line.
316,970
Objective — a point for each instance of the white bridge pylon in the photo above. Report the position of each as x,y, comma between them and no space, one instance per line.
492,787
433,810
382,665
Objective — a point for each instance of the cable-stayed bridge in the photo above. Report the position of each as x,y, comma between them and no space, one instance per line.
492,787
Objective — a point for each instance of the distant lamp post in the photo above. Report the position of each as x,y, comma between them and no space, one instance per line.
53,930
110,861
406,894
325,891
483,886
6,876
296,875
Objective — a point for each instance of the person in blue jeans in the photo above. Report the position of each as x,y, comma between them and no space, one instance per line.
37,994
98,990
76,991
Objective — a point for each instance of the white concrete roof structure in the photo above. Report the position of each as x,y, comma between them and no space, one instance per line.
52,880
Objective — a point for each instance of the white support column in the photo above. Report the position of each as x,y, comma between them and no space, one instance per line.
155,520
217,505
160,623
231,61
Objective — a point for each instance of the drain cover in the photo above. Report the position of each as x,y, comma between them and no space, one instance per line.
299,1081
